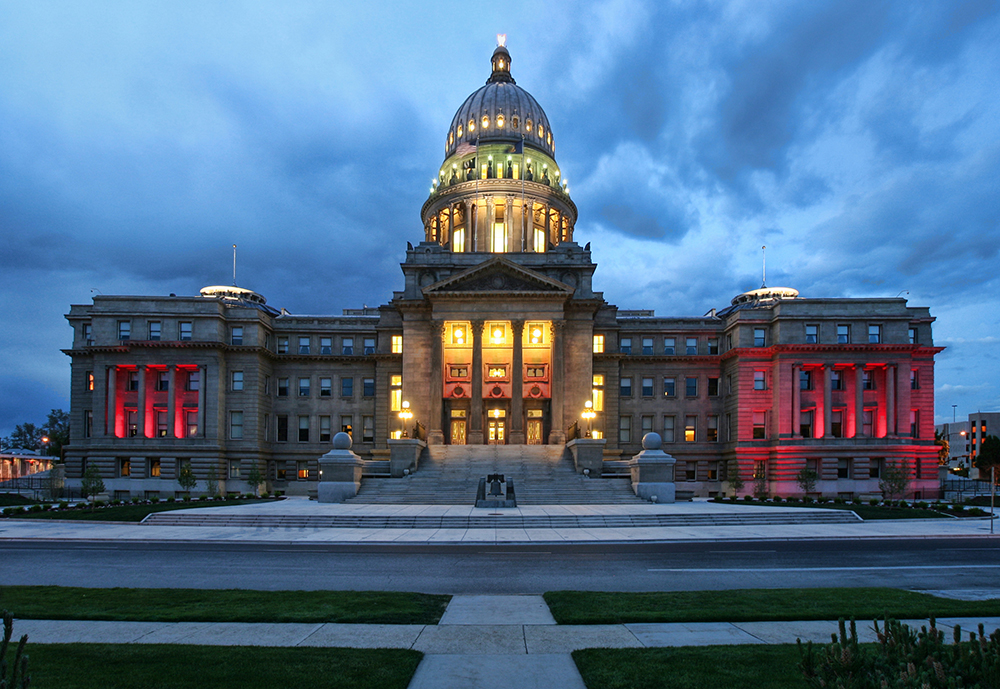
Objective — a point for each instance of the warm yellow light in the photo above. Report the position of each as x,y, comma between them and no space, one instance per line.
472,126
486,122
498,334
499,121
459,131
536,333
459,334
500,62
501,40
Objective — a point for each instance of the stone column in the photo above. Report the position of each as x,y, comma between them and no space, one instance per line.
557,435
202,385
890,400
508,223
796,401
469,222
140,405
475,432
859,400
111,411
516,435
827,399
171,401
435,433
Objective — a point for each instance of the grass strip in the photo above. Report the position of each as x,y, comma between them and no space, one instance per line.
691,667
226,605
866,512
757,605
14,499
133,513
158,666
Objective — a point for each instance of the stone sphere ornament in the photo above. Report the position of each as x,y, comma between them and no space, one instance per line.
342,441
651,441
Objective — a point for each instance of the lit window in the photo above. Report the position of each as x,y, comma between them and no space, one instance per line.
527,125
458,372
397,344
535,372
598,392
541,132
451,138
598,344
486,122
690,428
500,117
496,372
498,333
90,381
459,131
535,333
396,393
347,425
302,469
472,126
124,466
539,244
515,122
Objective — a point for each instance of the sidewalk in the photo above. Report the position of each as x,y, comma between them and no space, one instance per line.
481,641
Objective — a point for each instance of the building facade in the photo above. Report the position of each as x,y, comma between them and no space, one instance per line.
498,337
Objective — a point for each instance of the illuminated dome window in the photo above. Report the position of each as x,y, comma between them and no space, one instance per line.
472,126
486,122
527,125
500,121
550,138
460,131
514,122
541,132
451,138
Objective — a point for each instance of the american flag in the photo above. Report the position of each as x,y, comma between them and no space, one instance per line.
465,148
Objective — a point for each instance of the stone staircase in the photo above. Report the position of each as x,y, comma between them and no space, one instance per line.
449,475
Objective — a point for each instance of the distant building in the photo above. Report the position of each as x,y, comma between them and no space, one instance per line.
498,337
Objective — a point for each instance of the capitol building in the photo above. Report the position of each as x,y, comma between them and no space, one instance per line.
497,337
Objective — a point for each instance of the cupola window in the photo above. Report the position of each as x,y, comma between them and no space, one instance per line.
486,122
541,132
550,138
527,125
514,122
459,131
451,138
500,121
472,126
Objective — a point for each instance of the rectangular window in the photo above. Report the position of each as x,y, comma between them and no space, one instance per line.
534,372
914,423
691,387
133,381
713,387
843,334
759,425
397,344
867,380
626,387
598,344
874,334
347,425
124,330
367,429
913,336
237,381
161,422
812,334
914,379
669,387
235,468
805,379
88,334
303,429
837,423
89,381
369,345
868,422
458,240
302,469
326,387
236,335
162,381
303,345
669,345
324,429
347,386
282,387
184,329
347,345
759,337
836,381
155,330
368,387
844,468
458,372
647,425
304,387
235,425
729,342
281,471
691,346
124,467
191,421
713,345
153,467
395,393
759,380
712,434
625,345
88,423
598,392
282,429
690,471
713,471
647,345
282,345
668,429
647,387
326,345
625,429
806,423
690,428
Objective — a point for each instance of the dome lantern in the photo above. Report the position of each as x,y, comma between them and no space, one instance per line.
501,62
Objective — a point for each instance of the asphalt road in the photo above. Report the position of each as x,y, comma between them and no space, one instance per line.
912,564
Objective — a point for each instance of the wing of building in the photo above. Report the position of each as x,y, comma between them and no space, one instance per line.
498,337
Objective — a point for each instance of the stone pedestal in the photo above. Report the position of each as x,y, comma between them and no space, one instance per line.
653,471
588,453
339,471
404,454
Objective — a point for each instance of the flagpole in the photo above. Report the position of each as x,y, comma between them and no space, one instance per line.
475,232
524,216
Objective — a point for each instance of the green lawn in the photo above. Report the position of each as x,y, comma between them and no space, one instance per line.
747,605
866,512
13,499
229,605
134,513
691,667
155,666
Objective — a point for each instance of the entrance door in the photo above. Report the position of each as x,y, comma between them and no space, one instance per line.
458,431
497,432
534,431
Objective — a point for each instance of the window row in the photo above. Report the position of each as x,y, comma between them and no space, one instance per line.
669,430
304,386
304,344
183,331
301,428
669,386
656,345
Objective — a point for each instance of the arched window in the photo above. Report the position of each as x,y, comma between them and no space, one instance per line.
541,132
550,138
486,122
527,125
459,131
500,121
514,122
451,138
472,126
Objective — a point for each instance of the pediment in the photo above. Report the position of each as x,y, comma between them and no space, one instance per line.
498,275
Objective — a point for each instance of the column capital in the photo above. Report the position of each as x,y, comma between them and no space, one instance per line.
517,325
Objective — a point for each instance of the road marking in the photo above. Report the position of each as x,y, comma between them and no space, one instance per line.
824,569
727,552
513,552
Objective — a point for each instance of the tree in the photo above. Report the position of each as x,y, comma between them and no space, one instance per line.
255,477
186,478
26,436
57,430
944,448
807,480
988,455
212,481
736,481
894,482
92,483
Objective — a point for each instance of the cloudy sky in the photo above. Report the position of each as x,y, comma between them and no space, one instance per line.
859,140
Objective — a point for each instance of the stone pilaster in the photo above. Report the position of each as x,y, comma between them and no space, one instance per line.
140,405
202,386
516,435
890,401
557,436
171,401
827,399
111,410
475,432
796,401
859,400
435,432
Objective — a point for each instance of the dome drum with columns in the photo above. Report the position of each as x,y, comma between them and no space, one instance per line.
499,189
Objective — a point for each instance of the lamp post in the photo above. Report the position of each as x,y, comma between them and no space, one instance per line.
589,414
43,444
404,416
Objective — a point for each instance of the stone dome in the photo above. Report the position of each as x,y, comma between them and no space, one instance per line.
500,111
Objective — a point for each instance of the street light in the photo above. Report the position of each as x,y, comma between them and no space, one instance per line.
405,415
589,414
44,440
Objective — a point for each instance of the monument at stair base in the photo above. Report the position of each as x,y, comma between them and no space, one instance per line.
653,471
339,471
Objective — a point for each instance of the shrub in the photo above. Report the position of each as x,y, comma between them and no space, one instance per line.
807,500
267,494
822,500
187,498
63,504
874,502
978,512
958,507
921,505
171,499
717,498
856,500
791,499
203,498
838,501
154,500
748,498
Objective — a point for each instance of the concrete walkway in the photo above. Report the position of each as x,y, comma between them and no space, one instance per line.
481,641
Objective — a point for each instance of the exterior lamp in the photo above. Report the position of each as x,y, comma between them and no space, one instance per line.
589,414
404,416
536,335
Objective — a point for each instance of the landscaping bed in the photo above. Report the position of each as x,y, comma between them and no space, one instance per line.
121,510
873,509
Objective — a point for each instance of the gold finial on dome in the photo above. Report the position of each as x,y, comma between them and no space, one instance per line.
501,40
